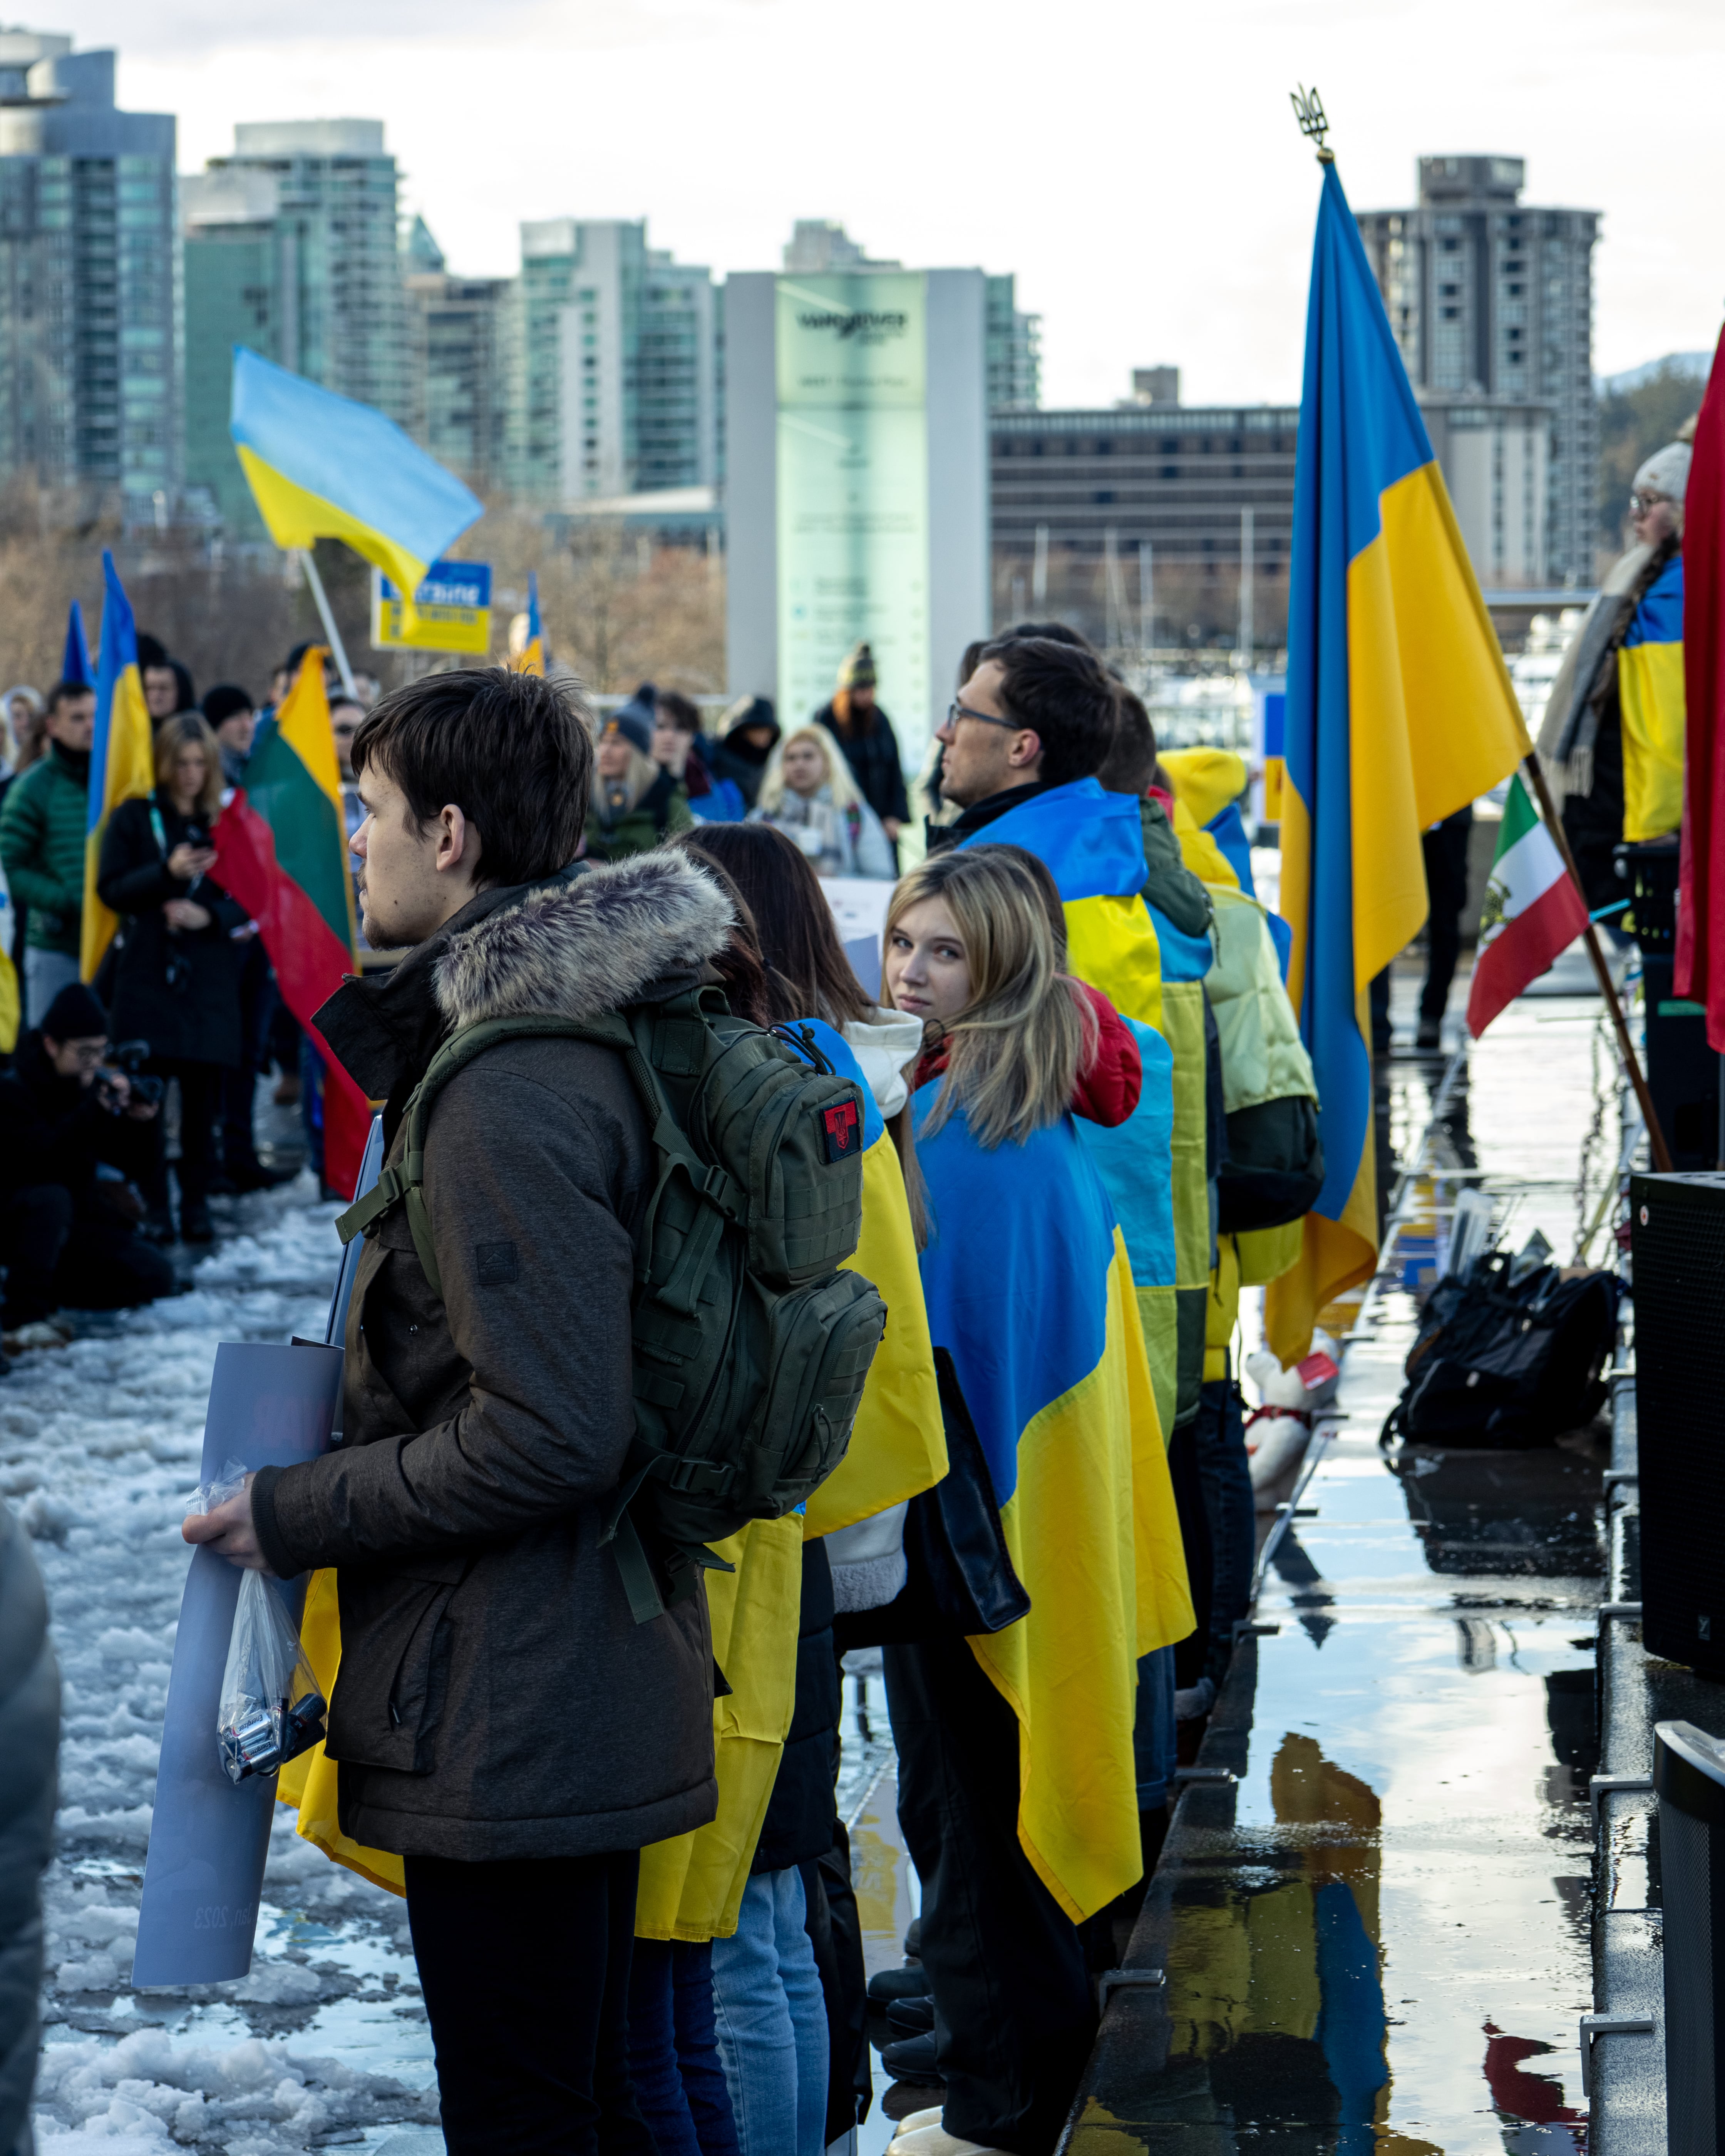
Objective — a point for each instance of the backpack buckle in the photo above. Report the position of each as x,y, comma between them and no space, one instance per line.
699,1478
720,1189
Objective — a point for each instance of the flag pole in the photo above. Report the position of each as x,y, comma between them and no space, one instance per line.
338,650
1625,1046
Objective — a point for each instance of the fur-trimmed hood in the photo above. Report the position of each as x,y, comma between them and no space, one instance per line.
587,946
578,946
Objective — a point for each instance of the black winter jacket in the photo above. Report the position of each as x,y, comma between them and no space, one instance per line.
29,1745
872,753
53,1129
197,1021
803,1811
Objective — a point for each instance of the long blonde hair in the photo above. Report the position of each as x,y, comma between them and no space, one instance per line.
1015,1051
191,730
840,785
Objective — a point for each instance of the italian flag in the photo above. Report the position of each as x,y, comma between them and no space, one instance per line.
1533,911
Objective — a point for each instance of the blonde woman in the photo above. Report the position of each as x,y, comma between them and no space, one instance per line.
808,793
176,975
1018,1791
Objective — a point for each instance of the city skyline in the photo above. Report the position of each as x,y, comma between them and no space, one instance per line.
714,119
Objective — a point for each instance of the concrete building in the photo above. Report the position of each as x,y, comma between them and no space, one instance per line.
89,314
612,367
291,247
1491,303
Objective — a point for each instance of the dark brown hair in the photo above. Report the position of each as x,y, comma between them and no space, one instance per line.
1130,764
798,936
1064,694
511,751
672,709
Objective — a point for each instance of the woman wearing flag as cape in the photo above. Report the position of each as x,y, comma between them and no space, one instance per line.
1018,1791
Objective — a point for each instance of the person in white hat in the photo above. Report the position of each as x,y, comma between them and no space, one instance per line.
1612,736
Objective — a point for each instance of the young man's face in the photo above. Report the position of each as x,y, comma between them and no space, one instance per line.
76,1058
344,724
72,723
236,730
161,692
671,747
986,750
413,877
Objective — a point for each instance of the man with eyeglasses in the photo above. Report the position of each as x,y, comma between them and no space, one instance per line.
1612,738
74,1142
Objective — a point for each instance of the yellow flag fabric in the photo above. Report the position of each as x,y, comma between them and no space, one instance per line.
1650,681
308,1784
899,1444
1205,781
11,1004
691,1886
1095,1536
122,761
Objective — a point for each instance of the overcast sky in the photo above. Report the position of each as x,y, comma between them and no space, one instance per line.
1138,165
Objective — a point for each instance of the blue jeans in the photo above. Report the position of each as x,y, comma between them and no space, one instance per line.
1219,1432
672,2053
771,2021
1154,1755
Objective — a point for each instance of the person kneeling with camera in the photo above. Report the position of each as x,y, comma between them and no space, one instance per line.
75,1129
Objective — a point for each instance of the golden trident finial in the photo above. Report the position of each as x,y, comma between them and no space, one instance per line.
1309,111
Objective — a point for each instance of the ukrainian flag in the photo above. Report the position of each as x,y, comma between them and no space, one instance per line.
531,658
1029,1284
1400,712
75,663
322,466
122,760
1649,686
1092,842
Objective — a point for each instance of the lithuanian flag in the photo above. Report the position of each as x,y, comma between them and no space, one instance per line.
322,466
122,759
281,850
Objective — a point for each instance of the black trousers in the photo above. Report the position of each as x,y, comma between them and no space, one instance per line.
1005,1961
54,1256
1446,851
524,1964
200,1104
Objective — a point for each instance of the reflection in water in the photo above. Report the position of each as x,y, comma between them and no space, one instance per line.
1278,1988
1308,1591
1532,2106
1483,1514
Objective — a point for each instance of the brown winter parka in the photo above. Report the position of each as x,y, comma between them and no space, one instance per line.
496,1699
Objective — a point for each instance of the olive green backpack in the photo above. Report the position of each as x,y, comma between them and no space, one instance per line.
751,1347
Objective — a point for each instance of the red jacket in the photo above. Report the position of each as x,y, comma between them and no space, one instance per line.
1108,1085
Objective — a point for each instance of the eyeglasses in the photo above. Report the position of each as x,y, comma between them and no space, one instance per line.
1640,504
955,711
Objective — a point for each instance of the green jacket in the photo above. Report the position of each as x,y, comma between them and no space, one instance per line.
660,814
42,827
1172,888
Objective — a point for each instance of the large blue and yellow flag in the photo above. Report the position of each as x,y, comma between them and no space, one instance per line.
1028,1284
322,466
1650,684
1400,712
122,761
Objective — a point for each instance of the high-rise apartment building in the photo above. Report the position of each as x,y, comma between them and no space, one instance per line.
459,342
1491,303
612,366
1014,344
90,323
291,247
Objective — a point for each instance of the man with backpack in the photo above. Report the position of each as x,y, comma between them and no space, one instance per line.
501,1719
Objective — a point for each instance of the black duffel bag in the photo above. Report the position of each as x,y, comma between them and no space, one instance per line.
1507,1366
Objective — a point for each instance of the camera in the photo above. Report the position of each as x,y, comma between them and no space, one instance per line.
126,1059
261,1740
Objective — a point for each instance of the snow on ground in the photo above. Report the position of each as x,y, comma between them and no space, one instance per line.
325,2041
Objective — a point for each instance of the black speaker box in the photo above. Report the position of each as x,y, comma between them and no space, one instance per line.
1677,1230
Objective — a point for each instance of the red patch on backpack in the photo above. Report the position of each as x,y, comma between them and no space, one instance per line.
840,1127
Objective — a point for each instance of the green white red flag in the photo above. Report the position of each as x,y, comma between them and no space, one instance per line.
1533,911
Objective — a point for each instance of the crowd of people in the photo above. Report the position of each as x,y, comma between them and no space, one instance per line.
1081,1106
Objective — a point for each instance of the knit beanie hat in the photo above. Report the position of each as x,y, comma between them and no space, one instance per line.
75,1015
857,668
634,720
1666,472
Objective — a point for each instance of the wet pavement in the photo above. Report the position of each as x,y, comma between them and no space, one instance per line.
1374,1911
